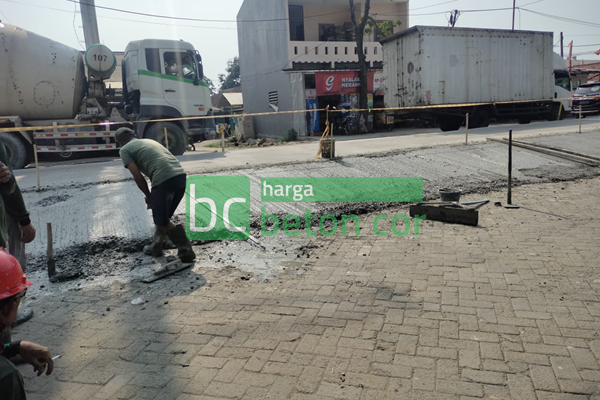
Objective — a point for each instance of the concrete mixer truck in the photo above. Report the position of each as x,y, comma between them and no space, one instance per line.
53,98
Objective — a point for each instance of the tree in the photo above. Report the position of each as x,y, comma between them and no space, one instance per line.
366,25
232,79
211,85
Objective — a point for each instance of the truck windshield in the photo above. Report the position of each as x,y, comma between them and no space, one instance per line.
180,64
562,79
589,90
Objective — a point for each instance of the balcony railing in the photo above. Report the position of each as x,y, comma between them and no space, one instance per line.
332,52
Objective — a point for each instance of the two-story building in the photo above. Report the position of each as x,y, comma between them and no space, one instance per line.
301,55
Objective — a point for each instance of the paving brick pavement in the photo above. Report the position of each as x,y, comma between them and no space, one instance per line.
506,310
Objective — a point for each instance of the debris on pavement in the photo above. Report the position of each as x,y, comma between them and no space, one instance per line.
137,301
167,270
451,213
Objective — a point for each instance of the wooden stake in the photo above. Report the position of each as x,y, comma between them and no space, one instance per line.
580,119
37,165
166,139
560,108
509,198
50,252
467,130
223,138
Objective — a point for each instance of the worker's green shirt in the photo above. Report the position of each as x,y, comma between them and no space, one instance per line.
153,160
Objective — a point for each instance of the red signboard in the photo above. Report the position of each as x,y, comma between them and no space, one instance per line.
345,82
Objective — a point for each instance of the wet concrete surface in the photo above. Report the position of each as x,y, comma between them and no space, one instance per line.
585,143
99,229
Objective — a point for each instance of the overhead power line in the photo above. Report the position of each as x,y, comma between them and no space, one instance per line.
263,20
5,17
564,19
122,19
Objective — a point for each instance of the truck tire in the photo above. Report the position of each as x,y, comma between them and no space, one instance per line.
524,121
177,137
17,151
553,114
450,124
481,119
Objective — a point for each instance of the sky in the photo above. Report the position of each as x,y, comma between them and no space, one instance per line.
216,36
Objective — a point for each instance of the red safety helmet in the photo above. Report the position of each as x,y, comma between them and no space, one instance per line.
12,278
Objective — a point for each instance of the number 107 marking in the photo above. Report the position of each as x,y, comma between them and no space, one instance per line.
100,57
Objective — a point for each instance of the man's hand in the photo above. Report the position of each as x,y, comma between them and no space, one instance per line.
5,173
38,356
147,203
28,233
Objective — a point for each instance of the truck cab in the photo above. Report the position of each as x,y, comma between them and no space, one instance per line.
164,79
562,84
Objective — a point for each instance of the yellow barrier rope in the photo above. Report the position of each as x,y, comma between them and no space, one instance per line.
106,123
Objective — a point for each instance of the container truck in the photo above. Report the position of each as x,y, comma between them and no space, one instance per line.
54,97
486,73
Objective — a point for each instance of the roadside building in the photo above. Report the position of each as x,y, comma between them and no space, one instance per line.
301,55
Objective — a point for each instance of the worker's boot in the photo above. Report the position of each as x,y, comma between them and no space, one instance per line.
23,315
156,248
184,246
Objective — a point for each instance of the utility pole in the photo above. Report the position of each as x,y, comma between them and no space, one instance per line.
514,9
562,50
90,23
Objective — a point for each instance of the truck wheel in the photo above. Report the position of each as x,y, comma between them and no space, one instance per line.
176,135
524,121
481,119
450,124
17,152
553,114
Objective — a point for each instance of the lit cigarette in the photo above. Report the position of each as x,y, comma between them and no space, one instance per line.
56,357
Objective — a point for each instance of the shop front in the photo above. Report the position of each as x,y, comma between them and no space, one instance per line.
340,89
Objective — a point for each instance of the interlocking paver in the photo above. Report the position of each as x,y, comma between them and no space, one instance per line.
505,310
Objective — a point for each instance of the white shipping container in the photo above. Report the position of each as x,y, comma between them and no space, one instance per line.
437,65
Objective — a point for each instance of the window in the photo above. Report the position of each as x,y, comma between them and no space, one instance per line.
375,50
589,90
296,23
562,79
336,51
326,32
153,60
180,64
296,50
274,98
309,81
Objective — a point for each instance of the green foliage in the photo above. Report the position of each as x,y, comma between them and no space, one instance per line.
232,79
211,85
291,136
383,29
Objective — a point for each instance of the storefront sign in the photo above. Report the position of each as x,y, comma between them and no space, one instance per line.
311,94
346,82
